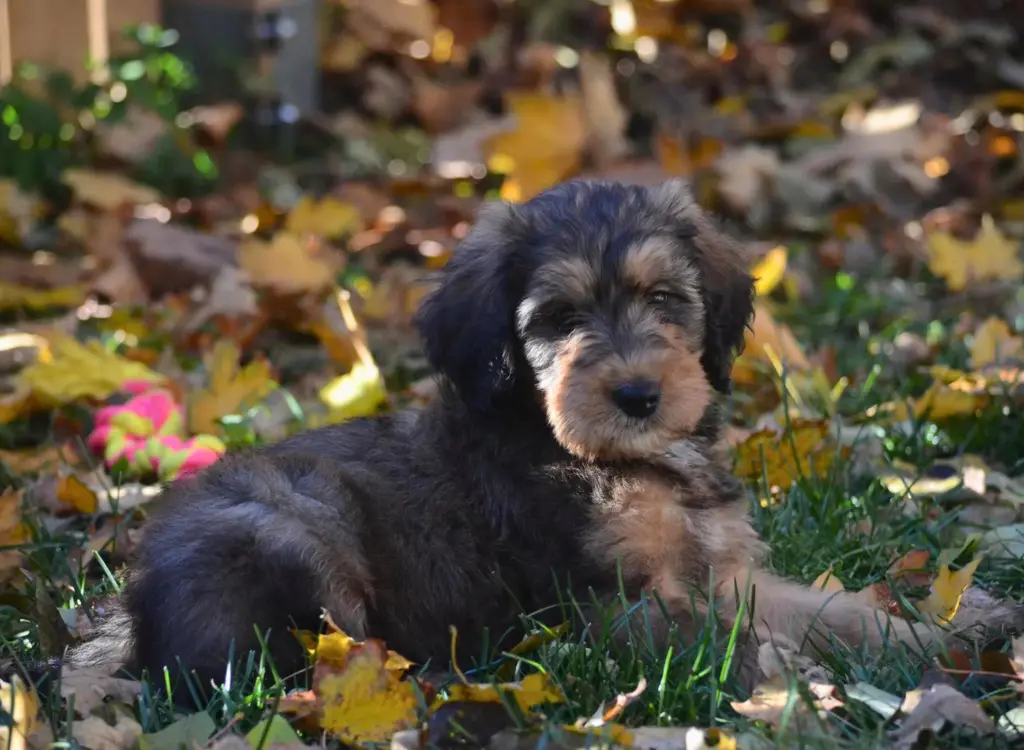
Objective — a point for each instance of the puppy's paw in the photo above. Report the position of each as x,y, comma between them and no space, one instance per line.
983,617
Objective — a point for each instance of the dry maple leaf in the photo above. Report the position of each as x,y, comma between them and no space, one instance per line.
288,265
231,388
545,147
989,256
994,342
360,699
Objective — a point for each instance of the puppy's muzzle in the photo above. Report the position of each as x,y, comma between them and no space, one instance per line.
638,398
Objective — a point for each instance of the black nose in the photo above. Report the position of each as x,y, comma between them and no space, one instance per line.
637,399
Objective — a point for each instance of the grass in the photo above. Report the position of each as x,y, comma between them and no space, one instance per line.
817,524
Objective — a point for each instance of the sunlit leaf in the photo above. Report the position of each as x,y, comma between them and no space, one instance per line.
328,217
948,589
75,371
994,342
288,264
804,451
15,297
770,270
108,191
231,389
989,256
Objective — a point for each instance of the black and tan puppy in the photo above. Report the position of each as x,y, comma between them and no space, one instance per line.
581,340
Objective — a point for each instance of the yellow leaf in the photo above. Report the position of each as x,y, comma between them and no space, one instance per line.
533,690
16,404
947,590
74,371
358,393
770,270
990,256
21,704
828,582
15,297
546,144
767,339
73,493
12,531
108,191
360,699
333,649
994,342
329,218
806,450
231,389
288,265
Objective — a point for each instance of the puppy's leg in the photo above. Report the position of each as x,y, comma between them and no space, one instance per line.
811,617
253,542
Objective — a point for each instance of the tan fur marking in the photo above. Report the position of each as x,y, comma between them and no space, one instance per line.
649,531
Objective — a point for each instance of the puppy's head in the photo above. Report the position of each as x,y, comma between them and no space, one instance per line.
623,306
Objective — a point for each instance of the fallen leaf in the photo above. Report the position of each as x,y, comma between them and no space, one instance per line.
532,690
360,699
94,733
769,271
13,531
15,297
781,458
328,218
273,731
994,342
358,393
21,703
73,493
288,264
191,731
948,589
989,256
75,371
766,340
881,702
88,688
930,710
231,389
1004,542
108,191
545,147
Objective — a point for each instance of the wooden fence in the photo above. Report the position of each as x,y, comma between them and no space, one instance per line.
67,34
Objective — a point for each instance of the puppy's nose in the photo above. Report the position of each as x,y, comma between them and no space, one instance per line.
638,398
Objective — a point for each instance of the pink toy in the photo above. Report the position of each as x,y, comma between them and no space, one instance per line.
148,432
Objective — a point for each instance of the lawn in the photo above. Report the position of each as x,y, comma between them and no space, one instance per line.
174,287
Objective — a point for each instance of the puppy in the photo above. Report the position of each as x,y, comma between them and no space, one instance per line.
582,341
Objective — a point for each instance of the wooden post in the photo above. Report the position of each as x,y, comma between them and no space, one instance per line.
69,34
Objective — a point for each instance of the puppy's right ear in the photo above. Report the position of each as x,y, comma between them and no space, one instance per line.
466,323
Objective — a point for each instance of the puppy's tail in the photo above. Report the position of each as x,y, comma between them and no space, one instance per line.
109,645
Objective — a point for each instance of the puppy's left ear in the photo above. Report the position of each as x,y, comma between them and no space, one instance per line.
727,287
466,323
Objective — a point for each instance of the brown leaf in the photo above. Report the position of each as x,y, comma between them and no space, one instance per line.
928,711
90,687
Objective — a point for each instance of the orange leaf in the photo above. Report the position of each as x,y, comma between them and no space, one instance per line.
72,492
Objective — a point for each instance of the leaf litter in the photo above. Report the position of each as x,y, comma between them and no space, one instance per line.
870,158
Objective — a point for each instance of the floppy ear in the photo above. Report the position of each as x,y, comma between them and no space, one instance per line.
466,323
726,286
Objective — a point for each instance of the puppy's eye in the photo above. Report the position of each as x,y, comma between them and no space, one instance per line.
561,319
661,297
